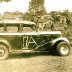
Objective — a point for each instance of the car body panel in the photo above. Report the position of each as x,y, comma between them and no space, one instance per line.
31,40
15,35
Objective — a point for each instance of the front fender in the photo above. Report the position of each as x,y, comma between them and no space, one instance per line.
59,40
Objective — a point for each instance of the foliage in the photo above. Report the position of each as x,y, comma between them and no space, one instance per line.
54,15
37,7
27,16
5,0
67,14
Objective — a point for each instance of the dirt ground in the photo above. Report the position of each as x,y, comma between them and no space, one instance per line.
36,62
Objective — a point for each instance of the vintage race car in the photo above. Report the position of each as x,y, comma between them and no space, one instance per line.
20,36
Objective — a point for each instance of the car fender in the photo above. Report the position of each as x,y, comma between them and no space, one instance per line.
59,40
6,43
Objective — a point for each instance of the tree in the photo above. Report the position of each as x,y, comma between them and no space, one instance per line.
27,16
37,7
68,16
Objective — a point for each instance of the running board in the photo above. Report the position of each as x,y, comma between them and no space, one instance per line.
27,51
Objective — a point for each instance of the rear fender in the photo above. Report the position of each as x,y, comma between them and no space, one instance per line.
5,42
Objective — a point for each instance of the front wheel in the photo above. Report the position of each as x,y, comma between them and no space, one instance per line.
63,48
3,52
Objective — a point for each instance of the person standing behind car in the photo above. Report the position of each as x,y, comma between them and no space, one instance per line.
49,26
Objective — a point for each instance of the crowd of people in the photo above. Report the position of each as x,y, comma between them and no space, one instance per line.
46,23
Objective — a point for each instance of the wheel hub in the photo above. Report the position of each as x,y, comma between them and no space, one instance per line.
64,50
1,53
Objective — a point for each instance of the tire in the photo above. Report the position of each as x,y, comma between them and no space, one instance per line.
3,52
63,49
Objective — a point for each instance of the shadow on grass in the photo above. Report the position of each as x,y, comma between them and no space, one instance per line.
29,55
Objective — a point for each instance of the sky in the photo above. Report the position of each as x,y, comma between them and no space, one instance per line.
14,5
60,5
22,5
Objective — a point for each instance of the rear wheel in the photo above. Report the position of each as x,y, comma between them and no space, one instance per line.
63,48
3,52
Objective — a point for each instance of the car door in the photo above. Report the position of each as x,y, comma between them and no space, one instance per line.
9,32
